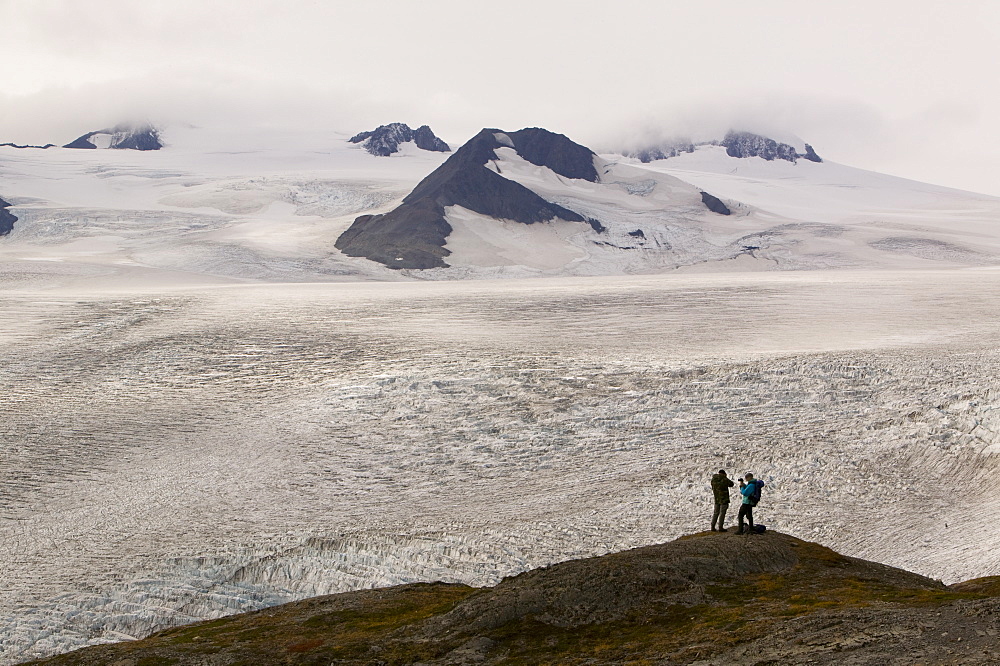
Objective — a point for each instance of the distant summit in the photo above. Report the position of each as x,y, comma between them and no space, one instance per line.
414,234
737,144
385,139
124,136
747,144
7,219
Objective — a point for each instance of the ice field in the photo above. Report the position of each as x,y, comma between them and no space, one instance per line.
205,408
182,453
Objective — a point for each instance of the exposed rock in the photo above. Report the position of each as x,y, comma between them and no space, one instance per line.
811,155
714,204
7,219
17,145
426,140
124,136
747,144
414,234
737,144
384,140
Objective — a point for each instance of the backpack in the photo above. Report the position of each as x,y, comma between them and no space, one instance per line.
759,529
755,495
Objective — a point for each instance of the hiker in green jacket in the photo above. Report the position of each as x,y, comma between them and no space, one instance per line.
720,488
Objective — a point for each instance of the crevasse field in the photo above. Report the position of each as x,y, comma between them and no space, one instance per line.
205,409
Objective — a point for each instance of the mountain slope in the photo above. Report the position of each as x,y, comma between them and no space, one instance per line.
414,234
708,598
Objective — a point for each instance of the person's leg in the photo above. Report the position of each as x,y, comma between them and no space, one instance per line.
722,516
715,515
740,516
749,516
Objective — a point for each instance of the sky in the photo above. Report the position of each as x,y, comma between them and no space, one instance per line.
899,87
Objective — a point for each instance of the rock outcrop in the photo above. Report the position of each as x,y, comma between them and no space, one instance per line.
384,140
708,598
414,234
737,144
714,204
124,136
747,144
7,219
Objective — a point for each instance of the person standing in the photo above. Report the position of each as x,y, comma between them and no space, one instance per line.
751,495
720,488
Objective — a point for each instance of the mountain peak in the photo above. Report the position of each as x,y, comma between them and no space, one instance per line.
414,234
123,136
384,140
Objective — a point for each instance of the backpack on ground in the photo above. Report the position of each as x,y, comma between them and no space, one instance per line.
759,529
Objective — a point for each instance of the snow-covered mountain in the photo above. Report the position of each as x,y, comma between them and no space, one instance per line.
124,136
231,204
414,234
385,140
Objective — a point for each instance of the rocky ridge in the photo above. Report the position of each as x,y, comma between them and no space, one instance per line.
737,144
414,234
706,599
124,136
384,140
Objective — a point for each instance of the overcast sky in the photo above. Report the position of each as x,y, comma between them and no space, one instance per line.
895,86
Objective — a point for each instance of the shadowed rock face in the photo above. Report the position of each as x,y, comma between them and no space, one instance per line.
7,219
122,137
714,204
384,140
414,234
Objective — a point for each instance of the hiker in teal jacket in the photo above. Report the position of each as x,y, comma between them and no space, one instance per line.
749,490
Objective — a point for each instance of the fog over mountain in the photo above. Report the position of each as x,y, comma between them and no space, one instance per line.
922,113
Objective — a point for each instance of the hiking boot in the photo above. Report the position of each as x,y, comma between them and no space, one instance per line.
722,529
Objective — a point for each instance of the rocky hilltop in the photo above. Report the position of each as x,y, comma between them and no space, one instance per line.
414,234
384,140
7,219
707,599
124,136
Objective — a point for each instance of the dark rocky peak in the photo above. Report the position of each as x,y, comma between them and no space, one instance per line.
385,139
555,151
747,144
426,140
124,136
7,219
414,234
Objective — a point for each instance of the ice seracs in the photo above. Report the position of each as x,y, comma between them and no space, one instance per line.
384,140
124,136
